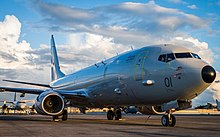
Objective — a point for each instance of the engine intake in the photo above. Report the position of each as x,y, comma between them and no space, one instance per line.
50,103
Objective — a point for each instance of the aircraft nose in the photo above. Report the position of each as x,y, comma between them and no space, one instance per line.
208,74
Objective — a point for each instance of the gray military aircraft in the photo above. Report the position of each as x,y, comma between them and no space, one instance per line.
159,78
20,105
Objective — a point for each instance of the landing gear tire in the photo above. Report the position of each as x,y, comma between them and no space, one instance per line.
64,117
110,115
165,120
118,114
172,121
168,120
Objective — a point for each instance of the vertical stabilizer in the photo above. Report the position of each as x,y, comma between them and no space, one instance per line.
218,105
55,67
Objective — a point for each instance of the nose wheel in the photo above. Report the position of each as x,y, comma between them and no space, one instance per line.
168,120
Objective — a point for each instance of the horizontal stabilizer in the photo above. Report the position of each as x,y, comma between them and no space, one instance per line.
27,83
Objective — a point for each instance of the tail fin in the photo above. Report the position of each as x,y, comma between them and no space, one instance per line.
55,67
218,105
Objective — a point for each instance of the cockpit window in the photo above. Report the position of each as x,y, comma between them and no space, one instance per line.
170,57
166,57
195,56
183,55
162,58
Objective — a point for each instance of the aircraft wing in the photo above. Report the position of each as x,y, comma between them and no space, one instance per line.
28,83
69,94
8,102
21,90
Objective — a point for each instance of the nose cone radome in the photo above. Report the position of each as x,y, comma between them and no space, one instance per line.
208,74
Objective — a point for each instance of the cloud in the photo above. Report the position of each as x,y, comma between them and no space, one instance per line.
15,58
126,22
13,53
193,7
79,51
177,1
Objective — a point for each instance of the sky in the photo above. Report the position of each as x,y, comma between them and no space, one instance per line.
88,31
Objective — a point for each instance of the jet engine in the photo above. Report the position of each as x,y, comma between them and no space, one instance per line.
50,103
150,110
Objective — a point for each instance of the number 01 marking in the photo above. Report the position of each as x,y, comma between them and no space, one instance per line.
168,82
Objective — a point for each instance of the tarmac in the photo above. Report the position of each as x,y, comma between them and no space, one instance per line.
95,124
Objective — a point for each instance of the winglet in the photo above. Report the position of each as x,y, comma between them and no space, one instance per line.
55,67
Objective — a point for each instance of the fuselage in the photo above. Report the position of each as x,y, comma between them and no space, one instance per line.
148,76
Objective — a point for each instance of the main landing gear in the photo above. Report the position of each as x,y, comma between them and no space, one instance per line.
64,116
116,113
168,119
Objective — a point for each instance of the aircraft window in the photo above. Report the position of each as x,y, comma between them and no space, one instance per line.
195,56
183,55
166,57
162,58
170,57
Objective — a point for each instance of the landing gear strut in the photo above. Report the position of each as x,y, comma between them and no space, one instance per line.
168,119
111,114
64,117
118,114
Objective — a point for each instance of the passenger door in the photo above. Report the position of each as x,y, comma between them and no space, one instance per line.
139,72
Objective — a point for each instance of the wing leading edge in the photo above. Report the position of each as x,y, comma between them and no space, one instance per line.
27,83
80,93
21,90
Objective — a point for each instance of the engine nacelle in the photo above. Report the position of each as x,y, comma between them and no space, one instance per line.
150,110
50,103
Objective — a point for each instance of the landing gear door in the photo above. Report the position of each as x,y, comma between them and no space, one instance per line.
139,72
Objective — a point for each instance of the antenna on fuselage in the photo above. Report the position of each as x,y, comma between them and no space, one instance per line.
96,65
132,48
103,63
15,96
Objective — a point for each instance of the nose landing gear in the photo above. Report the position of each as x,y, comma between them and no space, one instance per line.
168,119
